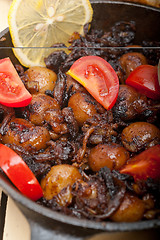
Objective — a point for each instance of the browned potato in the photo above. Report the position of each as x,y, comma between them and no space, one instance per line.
74,86
39,79
58,178
40,103
55,119
130,210
124,106
129,61
140,135
112,156
23,133
83,107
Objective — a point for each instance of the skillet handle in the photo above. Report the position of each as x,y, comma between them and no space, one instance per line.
39,232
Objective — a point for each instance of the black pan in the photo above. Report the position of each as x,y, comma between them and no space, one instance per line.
46,224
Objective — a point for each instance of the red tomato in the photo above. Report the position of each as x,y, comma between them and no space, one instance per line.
144,165
145,79
12,91
98,77
19,173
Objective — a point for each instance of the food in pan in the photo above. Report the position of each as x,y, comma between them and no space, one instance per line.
98,77
19,173
92,160
13,91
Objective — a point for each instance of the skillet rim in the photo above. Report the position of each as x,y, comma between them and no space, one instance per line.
10,190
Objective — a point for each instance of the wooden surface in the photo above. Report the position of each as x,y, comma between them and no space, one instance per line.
154,3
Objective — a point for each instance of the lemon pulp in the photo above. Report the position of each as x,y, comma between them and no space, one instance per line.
37,25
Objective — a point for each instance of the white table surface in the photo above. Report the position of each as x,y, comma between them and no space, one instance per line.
4,7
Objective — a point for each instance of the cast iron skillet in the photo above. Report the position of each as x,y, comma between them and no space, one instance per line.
46,224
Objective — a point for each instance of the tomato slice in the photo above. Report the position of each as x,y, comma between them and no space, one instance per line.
144,165
98,77
19,173
145,79
12,91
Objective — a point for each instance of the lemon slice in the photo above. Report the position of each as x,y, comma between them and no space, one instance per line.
36,25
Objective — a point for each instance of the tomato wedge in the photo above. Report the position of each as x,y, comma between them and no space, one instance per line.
12,91
19,173
98,77
145,79
144,165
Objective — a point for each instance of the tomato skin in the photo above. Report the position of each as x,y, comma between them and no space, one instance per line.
98,77
145,79
19,173
12,91
144,165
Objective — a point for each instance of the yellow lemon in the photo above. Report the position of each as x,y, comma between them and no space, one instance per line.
37,25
